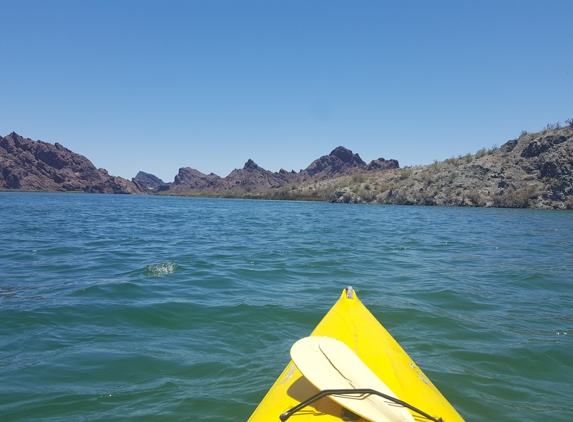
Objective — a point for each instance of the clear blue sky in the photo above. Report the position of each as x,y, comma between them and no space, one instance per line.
157,85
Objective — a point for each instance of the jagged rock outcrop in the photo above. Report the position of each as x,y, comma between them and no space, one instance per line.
382,164
253,176
190,179
150,181
339,162
342,161
40,166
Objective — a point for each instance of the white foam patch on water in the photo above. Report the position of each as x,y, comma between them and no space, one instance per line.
159,270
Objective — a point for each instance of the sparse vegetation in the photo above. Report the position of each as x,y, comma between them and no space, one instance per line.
552,126
358,178
481,152
475,199
514,199
405,173
498,177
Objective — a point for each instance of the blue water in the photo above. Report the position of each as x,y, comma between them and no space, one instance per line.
161,308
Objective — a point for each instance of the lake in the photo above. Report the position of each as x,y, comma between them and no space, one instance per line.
165,308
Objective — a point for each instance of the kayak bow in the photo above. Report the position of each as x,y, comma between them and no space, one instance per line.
353,370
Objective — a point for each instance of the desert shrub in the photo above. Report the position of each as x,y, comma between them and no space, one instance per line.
366,195
551,126
358,178
554,182
569,122
475,198
426,197
435,166
452,161
514,199
405,173
397,197
383,187
427,178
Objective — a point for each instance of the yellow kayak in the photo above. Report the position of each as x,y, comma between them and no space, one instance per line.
347,349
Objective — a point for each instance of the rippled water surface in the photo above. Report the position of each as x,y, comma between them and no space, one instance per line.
156,308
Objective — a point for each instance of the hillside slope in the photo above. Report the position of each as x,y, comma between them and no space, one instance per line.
39,166
532,171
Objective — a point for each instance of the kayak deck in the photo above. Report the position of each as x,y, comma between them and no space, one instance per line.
350,322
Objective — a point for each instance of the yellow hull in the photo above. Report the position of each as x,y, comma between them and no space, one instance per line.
352,323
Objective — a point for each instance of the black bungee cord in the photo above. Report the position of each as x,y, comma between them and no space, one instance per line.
283,417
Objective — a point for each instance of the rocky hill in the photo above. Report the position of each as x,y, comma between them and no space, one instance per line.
150,181
191,179
532,171
39,166
340,161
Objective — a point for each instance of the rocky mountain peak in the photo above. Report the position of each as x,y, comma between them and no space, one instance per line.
346,156
250,165
340,161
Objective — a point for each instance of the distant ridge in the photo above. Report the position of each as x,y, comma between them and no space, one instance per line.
534,170
340,161
39,166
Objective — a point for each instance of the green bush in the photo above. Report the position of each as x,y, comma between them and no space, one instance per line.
514,199
481,152
405,173
358,178
475,198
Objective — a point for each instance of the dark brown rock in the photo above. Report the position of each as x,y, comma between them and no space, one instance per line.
253,176
340,161
150,181
508,146
539,146
190,179
382,164
39,166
